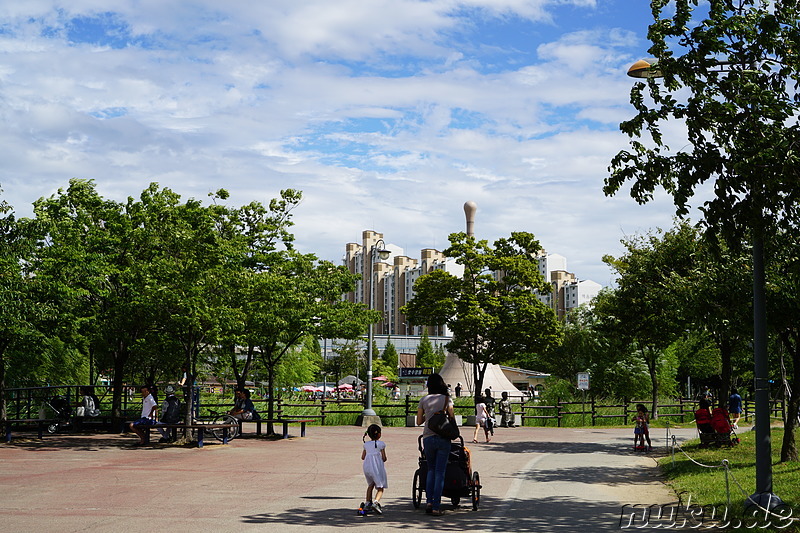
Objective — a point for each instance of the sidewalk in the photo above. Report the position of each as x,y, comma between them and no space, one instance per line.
534,479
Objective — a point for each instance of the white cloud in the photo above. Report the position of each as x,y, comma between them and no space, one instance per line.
387,114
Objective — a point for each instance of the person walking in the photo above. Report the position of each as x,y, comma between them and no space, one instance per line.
373,456
436,448
481,419
489,402
735,407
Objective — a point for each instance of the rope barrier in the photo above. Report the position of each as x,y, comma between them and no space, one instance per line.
725,464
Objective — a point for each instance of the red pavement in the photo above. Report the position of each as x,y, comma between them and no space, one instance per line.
102,483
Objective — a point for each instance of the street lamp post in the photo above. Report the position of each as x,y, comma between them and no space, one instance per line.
377,250
763,495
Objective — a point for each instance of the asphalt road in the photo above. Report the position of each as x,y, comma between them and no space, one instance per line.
534,479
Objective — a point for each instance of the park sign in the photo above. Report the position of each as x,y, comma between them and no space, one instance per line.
420,372
583,380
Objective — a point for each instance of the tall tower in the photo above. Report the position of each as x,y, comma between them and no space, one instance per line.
470,208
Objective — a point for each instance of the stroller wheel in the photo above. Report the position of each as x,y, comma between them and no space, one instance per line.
52,428
416,490
476,491
456,501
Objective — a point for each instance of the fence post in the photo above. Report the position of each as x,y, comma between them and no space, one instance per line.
558,412
594,410
625,409
322,411
725,464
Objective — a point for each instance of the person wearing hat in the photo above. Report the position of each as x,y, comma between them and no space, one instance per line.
170,412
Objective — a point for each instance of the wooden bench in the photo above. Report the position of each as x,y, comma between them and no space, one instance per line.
201,429
41,424
283,421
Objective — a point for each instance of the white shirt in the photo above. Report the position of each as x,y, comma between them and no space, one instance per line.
147,406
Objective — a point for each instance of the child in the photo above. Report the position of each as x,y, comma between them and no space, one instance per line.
482,419
374,455
641,431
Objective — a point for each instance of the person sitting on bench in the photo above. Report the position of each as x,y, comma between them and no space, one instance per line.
243,408
170,413
148,417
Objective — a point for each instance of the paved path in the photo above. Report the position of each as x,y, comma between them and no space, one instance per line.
534,479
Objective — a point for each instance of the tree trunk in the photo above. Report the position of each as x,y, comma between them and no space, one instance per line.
241,377
725,351
652,367
789,445
120,358
271,401
478,373
3,412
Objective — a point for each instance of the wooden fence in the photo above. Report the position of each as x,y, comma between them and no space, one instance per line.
26,403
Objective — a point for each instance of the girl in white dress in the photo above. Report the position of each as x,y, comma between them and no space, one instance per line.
373,456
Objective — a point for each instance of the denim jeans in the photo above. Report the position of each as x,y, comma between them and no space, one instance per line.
436,450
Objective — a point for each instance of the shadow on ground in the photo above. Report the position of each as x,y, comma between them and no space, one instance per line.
553,514
620,446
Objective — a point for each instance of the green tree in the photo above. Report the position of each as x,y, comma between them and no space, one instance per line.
426,356
731,73
90,263
784,308
343,362
643,310
710,288
697,355
257,237
390,357
299,365
493,310
20,307
439,356
297,297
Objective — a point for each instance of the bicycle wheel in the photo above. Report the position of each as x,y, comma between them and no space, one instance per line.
232,432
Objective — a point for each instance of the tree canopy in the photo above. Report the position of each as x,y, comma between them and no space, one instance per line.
731,75
493,310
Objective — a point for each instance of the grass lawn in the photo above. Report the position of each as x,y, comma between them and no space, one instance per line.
707,486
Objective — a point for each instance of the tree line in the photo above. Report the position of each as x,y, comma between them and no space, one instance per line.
145,287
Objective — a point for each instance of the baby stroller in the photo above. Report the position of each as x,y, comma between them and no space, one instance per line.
718,432
61,412
459,479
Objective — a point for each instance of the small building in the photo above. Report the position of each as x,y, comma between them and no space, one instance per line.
525,380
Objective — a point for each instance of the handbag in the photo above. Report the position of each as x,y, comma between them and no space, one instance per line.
441,424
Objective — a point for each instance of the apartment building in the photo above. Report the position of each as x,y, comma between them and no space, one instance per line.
567,291
393,277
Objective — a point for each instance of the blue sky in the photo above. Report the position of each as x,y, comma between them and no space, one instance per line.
387,114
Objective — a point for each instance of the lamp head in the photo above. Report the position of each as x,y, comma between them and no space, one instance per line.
381,251
645,69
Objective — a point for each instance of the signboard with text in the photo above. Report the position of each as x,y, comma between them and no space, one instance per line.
583,380
419,372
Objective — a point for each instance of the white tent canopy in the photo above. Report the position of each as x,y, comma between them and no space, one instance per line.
457,371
